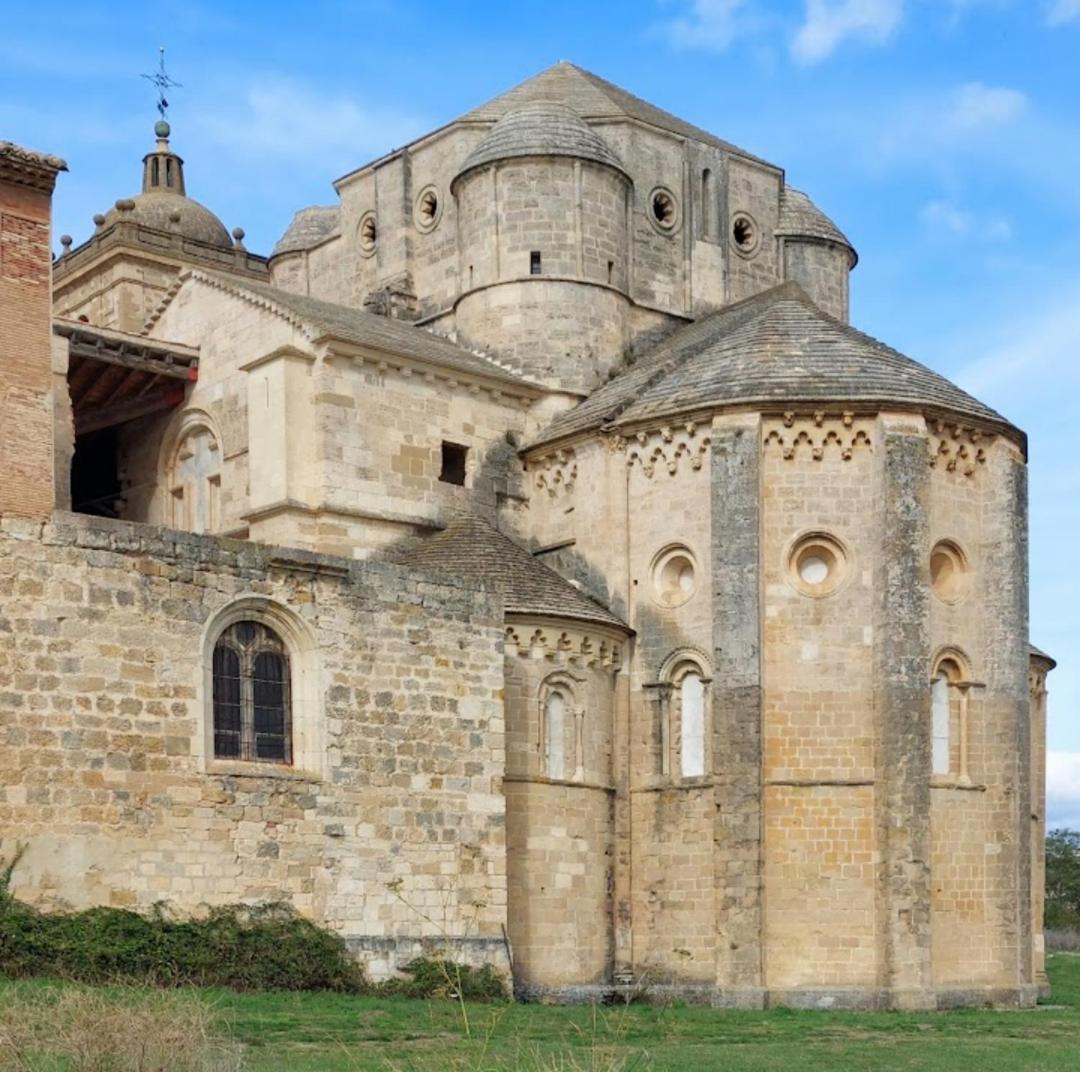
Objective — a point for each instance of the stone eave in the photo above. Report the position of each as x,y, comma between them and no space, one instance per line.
769,407
347,348
555,621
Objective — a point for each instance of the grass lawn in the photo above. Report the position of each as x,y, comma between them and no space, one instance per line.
328,1033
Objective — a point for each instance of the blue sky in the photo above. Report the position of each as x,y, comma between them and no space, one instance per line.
942,135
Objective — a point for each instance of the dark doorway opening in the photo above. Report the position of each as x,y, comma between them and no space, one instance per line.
95,476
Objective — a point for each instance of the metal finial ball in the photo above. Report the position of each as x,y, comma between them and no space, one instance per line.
162,129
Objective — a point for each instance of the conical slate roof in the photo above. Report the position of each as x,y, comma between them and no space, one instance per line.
801,218
775,349
473,549
308,228
593,97
541,128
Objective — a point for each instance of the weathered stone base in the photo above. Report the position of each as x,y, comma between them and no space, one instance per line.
853,999
384,956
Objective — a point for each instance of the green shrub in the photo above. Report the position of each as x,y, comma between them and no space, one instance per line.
245,948
426,977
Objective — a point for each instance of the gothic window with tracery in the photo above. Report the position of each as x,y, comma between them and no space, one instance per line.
252,703
195,482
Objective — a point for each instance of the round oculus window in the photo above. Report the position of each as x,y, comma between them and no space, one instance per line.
817,564
428,209
663,210
948,571
368,234
745,234
674,576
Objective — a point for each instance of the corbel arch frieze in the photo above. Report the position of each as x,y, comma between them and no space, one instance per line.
564,642
818,435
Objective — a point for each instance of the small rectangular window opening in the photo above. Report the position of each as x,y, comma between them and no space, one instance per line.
453,463
534,262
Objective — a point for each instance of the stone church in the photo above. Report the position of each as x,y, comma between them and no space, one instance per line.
525,557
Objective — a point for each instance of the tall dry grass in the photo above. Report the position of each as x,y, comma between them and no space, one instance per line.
77,1029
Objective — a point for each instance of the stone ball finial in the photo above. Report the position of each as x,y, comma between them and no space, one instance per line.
65,241
238,234
124,204
175,217
99,219
162,129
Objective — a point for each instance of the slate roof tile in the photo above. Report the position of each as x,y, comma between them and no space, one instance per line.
473,549
775,349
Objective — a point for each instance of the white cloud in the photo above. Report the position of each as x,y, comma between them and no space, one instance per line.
1063,790
1030,354
945,216
830,22
286,120
1059,12
975,106
710,24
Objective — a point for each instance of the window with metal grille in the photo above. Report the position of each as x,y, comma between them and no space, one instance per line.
252,717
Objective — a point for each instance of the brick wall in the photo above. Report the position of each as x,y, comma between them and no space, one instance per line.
26,424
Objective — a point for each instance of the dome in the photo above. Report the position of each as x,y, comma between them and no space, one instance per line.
173,213
542,128
801,218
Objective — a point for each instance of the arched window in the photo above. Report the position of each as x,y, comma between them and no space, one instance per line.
252,695
950,690
555,734
195,482
692,719
681,700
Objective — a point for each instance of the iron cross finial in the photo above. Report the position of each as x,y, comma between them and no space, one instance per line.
162,82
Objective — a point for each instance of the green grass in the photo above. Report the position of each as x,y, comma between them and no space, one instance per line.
305,1032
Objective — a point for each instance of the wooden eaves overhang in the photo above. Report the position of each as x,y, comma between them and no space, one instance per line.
115,377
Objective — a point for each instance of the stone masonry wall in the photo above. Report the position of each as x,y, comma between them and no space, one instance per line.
397,718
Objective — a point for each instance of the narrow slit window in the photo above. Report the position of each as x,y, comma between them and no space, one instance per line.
534,262
453,464
252,713
555,718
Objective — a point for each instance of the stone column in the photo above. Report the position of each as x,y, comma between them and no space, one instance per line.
902,676
1041,665
1007,701
736,706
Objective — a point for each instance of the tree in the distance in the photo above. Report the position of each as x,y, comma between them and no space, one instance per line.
1063,879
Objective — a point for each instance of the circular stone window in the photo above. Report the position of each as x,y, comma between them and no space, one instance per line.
745,234
817,564
948,571
663,210
428,210
368,233
674,576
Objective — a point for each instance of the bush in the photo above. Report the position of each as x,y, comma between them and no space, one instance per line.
434,978
246,948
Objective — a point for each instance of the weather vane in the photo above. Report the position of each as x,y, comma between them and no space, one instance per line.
162,82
